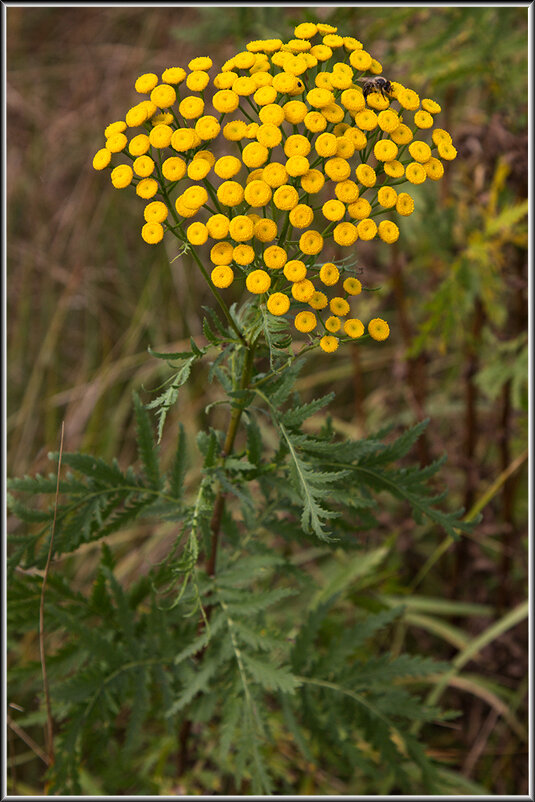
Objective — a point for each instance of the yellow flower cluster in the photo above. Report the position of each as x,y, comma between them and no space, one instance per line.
278,164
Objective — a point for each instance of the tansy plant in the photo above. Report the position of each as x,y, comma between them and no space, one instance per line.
268,173
276,167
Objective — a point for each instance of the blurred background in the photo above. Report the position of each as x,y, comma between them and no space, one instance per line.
86,296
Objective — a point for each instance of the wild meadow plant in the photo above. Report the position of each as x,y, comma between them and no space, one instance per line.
228,657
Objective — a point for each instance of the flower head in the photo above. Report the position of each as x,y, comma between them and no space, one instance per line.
275,165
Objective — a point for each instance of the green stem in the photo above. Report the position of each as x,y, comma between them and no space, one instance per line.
235,417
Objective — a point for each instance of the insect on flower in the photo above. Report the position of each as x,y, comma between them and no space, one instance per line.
377,84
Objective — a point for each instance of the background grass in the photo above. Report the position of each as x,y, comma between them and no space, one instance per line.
86,296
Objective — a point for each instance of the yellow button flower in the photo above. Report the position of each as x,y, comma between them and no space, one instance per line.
265,230
357,137
198,169
191,107
366,175
333,324
303,290
360,60
183,139
217,226
224,80
155,212
275,257
173,75
345,234
147,188
315,122
404,204
446,151
241,228
297,166
265,95
434,169
174,168
222,276
269,135
235,130
197,80
272,113
301,216
354,327
116,142
366,120
420,151
305,322
257,193
230,193
152,233
378,329
197,233
408,99
243,255
143,166
367,229
101,159
360,209
311,242
278,303
387,197
394,169
146,83
207,127
415,173
333,210
388,231
318,300
319,98
313,181
388,121
344,147
275,175
139,145
339,306
258,282
325,145
329,274
402,135
221,254
284,82
295,270
352,286
328,343
195,197
431,106
115,128
285,197
422,119
254,154
338,169
295,112
244,86
385,150
163,96
346,191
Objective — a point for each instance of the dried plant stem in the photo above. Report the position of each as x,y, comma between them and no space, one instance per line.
49,731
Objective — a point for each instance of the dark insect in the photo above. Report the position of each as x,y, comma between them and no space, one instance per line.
378,84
